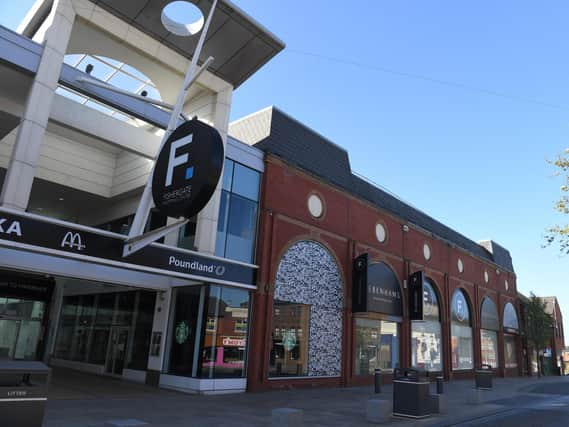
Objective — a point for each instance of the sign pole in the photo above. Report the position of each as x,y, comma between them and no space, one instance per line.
145,203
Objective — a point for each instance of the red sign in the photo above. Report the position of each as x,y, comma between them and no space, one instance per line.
233,342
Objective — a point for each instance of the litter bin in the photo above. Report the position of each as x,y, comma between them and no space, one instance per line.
483,377
23,393
410,394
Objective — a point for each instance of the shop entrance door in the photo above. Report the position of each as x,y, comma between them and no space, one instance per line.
117,350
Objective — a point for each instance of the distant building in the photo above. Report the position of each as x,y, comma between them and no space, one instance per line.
553,353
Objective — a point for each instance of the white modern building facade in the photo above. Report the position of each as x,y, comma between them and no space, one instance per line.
74,160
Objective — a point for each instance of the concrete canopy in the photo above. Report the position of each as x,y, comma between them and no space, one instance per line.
239,44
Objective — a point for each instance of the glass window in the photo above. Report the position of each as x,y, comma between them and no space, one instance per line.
426,345
227,174
225,343
461,347
461,333
377,346
510,351
289,340
426,341
222,221
489,315
142,331
183,331
69,310
125,310
489,347
246,182
237,220
240,244
8,336
105,309
187,236
510,318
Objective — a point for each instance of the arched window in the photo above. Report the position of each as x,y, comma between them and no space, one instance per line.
115,73
489,326
461,332
377,331
511,329
426,340
306,337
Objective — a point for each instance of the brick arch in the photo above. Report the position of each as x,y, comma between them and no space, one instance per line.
439,294
311,238
469,303
308,273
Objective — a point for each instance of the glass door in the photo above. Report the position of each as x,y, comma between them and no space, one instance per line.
117,351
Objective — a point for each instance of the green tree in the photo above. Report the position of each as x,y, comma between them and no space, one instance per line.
539,328
560,233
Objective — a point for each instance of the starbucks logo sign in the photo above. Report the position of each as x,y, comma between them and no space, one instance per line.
182,332
289,340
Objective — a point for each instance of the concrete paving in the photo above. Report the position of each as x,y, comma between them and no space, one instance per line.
78,399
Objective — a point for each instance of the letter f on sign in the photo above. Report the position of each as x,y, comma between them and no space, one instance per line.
175,161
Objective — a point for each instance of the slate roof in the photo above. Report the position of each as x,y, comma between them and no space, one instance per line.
300,146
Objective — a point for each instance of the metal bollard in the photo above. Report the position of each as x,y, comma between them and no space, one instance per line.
377,380
440,389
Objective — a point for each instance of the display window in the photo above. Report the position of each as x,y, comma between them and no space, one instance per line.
289,339
426,338
489,347
510,351
224,347
461,333
511,326
377,346
490,324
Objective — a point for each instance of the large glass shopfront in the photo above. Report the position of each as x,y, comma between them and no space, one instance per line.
378,313
461,332
24,300
511,331
426,340
110,329
209,330
489,324
377,346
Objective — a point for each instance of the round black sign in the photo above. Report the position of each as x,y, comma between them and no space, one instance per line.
187,169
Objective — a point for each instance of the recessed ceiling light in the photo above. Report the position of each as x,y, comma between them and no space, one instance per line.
61,199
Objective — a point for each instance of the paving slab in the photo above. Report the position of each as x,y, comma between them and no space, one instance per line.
79,399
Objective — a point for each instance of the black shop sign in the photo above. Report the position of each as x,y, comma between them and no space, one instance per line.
187,170
376,288
69,240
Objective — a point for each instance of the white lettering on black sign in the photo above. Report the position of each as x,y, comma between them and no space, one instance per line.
10,227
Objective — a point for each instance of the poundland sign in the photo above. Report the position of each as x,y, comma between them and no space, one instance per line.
59,238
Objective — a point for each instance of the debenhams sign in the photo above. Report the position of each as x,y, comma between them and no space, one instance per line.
63,239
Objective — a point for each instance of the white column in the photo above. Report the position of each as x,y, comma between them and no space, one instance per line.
160,324
206,227
25,155
54,316
172,238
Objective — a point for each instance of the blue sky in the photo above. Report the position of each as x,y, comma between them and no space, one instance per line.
473,160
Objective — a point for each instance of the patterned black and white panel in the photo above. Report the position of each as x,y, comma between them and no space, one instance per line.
308,274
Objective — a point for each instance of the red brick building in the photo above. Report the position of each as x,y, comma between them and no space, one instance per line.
316,218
